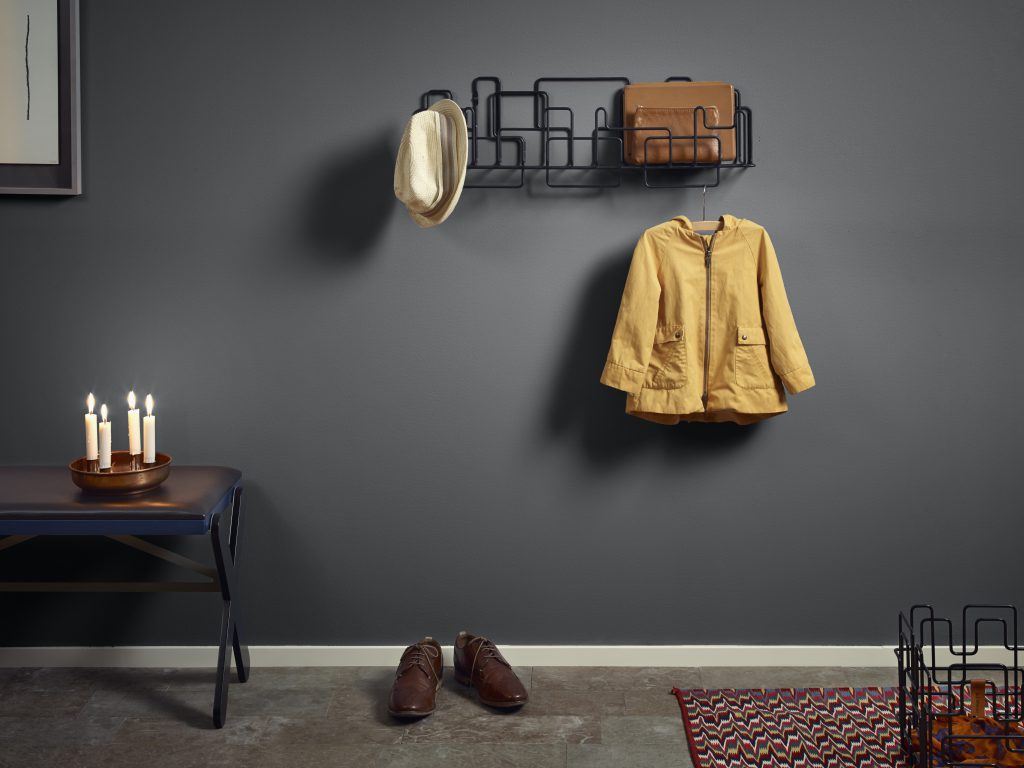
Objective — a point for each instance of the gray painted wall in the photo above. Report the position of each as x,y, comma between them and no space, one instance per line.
418,414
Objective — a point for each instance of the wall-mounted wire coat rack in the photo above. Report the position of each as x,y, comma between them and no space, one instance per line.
551,143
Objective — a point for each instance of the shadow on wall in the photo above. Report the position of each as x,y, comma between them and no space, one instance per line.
53,618
283,546
351,201
584,409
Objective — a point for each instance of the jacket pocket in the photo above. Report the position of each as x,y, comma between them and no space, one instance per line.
668,359
751,364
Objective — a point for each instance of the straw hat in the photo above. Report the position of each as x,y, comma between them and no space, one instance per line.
431,165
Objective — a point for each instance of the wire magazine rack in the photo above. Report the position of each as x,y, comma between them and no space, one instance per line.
572,156
936,677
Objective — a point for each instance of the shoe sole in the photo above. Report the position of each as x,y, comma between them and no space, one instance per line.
417,714
459,678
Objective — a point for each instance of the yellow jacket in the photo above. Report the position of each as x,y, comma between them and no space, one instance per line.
705,332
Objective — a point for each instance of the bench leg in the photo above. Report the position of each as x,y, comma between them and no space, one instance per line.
225,553
220,696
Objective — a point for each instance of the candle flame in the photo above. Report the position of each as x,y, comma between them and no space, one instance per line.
103,411
149,405
131,400
91,402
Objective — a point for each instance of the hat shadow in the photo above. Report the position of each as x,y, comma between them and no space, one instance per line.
583,410
351,201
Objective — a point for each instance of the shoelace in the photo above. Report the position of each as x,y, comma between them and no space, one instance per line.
418,655
488,650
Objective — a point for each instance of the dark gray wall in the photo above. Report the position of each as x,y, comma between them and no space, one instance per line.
418,415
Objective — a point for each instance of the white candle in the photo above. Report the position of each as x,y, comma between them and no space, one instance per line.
149,433
91,449
134,436
104,439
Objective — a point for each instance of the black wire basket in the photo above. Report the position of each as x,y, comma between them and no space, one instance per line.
575,153
959,688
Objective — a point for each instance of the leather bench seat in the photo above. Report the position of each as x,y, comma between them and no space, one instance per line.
44,500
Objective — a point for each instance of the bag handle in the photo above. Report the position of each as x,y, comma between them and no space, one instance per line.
977,698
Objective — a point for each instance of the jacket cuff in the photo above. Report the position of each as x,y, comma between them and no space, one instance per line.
626,379
798,379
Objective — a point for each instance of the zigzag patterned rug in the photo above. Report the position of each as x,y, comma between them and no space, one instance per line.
788,728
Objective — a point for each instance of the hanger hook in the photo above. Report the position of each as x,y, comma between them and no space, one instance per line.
704,204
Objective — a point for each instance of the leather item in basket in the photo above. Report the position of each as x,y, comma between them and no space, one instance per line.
674,106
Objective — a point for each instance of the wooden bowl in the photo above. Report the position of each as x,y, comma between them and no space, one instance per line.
127,474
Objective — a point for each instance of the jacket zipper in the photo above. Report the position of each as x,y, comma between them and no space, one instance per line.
708,246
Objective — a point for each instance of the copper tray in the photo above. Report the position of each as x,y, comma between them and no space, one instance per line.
126,474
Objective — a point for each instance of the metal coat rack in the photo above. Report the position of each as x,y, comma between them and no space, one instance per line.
582,160
936,664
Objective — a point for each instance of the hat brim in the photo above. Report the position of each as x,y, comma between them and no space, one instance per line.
453,111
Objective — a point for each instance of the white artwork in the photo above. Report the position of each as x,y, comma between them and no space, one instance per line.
29,82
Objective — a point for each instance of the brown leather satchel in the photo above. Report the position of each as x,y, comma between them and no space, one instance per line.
677,109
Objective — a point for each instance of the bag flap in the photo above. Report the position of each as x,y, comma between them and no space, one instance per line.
753,334
668,333
705,94
679,120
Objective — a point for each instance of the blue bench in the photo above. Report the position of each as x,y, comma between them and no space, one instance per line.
193,501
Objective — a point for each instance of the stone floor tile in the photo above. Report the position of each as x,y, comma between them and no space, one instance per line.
773,677
546,701
30,733
512,727
320,755
58,679
20,755
149,743
183,679
366,702
17,701
180,753
642,729
614,678
37,677
871,677
623,756
375,727
59,692
239,731
7,674
652,701
190,707
194,703
472,756
147,678
252,701
337,717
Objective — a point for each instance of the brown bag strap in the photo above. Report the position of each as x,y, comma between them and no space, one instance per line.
977,698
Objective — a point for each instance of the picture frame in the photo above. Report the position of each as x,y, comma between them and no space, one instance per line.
65,176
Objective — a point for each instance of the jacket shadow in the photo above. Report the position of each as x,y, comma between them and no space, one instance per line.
351,201
584,410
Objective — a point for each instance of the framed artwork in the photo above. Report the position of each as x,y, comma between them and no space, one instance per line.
40,115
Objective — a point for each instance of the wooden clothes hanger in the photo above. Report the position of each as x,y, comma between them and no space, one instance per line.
704,225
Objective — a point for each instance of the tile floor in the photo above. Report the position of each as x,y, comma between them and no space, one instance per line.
335,716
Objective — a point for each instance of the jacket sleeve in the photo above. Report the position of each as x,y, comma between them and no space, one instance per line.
633,337
787,351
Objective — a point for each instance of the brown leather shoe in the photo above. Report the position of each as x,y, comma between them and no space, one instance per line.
417,680
479,663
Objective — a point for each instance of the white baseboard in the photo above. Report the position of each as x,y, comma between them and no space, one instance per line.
521,655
